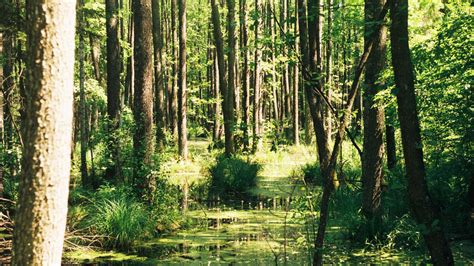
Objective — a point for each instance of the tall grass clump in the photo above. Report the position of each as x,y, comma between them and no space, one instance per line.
233,176
119,217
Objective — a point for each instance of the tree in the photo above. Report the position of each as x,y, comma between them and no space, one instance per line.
226,104
114,65
159,84
182,132
372,159
42,206
143,139
85,178
423,208
245,71
257,102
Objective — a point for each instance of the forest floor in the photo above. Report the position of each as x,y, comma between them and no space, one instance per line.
269,229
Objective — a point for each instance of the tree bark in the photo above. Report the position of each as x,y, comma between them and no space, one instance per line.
225,91
143,97
174,87
245,72
423,208
296,135
257,140
159,85
182,130
85,178
372,159
391,148
42,206
114,65
231,70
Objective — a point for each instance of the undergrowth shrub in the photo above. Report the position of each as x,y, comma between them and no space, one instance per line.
233,176
120,217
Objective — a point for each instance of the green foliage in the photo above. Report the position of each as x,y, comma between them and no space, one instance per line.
119,216
311,173
233,176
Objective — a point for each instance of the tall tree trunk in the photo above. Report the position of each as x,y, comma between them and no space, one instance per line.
391,148
245,71
143,97
231,70
217,97
423,208
130,68
257,140
159,85
271,29
85,178
42,206
175,51
329,63
315,101
225,91
182,130
372,159
114,65
2,144
296,135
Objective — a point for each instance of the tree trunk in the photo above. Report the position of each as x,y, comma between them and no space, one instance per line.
159,85
95,56
296,135
2,144
174,87
231,70
423,208
143,97
182,130
257,140
372,159
391,148
42,206
329,63
225,91
245,72
114,63
85,178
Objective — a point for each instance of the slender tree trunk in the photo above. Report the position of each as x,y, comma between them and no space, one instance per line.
42,206
391,148
85,178
423,208
257,140
143,97
372,159
175,51
217,98
329,63
296,135
231,23
159,85
130,68
271,28
245,72
2,144
182,130
225,91
95,56
114,65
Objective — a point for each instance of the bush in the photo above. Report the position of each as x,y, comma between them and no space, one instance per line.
311,173
233,176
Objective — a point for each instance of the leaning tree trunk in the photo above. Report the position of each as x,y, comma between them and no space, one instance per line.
114,67
143,139
182,130
372,159
423,208
42,206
